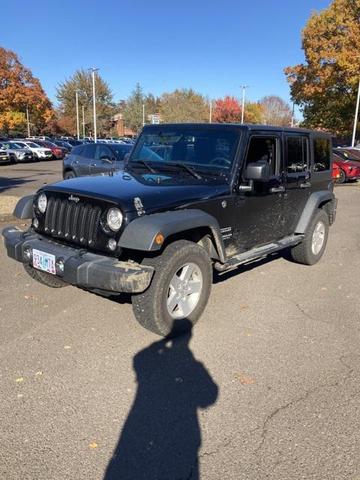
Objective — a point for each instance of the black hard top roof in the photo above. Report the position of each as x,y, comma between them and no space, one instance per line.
238,126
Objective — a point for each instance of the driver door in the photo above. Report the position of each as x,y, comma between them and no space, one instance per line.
255,217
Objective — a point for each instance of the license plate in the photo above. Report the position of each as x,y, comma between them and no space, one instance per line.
44,261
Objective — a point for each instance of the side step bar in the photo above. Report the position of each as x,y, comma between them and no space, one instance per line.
259,252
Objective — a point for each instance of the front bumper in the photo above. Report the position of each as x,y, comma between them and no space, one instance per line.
80,267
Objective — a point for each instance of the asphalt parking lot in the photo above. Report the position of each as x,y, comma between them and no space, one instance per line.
267,387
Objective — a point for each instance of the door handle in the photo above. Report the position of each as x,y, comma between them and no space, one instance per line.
92,164
279,189
305,185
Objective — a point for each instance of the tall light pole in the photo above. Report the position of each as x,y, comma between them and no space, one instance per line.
77,113
244,87
28,121
293,115
210,111
93,70
356,116
83,120
143,110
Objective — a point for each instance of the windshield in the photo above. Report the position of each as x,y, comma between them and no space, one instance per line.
200,149
32,145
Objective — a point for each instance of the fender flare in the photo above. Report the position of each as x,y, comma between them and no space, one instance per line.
314,201
24,207
140,233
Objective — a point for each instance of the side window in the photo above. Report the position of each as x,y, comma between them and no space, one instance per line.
89,151
103,151
77,150
263,149
322,154
297,154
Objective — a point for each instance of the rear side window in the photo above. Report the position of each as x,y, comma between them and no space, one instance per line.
297,154
89,151
78,150
322,152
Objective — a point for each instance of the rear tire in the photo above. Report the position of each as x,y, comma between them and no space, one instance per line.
178,292
312,248
44,278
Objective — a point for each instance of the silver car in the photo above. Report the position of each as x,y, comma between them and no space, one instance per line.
39,152
16,153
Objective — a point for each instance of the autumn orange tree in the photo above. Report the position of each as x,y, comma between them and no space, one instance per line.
20,90
325,85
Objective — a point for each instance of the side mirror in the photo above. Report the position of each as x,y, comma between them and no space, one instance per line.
258,171
105,159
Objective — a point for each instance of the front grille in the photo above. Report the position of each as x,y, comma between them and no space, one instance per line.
75,222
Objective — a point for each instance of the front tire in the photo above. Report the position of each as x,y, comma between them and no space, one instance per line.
312,248
69,174
179,290
342,178
44,277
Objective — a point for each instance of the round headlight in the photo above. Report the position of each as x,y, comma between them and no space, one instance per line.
42,203
114,219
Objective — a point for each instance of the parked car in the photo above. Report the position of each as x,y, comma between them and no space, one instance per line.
74,143
349,170
57,152
41,137
4,156
64,145
348,153
16,153
95,159
39,152
336,172
229,195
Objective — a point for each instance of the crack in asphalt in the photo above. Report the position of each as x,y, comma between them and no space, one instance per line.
214,452
265,426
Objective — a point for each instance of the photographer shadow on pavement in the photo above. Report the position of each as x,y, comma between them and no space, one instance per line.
161,436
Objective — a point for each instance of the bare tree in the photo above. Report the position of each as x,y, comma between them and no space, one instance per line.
276,111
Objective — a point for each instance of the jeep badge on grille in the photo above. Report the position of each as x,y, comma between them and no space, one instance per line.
74,199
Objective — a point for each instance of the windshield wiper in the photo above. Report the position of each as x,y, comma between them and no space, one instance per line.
143,162
185,167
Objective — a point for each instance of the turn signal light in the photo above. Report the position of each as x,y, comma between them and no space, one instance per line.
159,239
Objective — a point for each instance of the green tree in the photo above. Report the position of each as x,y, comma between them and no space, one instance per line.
133,109
325,85
82,81
20,90
184,105
254,112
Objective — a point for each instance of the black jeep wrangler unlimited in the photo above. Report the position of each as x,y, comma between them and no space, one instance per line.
192,197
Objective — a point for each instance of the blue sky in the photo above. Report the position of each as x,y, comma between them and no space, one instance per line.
211,46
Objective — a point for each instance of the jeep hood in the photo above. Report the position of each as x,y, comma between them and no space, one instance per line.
124,189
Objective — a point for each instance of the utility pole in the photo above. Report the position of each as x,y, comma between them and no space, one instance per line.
83,120
356,116
77,113
28,121
244,87
293,115
143,110
210,112
93,70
